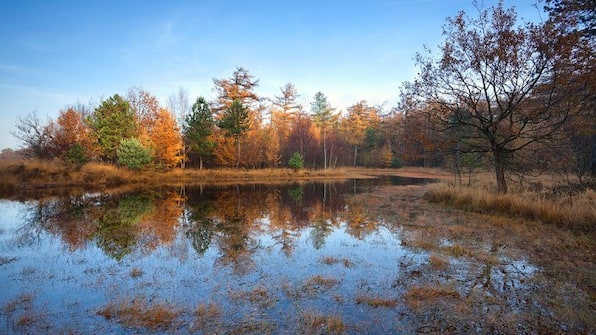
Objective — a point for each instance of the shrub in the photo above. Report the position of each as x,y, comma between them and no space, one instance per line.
132,154
296,162
76,155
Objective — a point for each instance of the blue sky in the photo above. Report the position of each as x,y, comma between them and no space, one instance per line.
56,53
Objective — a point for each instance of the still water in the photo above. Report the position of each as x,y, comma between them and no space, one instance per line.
220,259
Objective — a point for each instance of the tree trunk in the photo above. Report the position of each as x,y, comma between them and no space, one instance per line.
500,171
355,153
324,150
201,162
238,153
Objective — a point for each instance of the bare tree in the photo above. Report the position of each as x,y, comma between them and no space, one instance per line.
497,85
33,135
179,105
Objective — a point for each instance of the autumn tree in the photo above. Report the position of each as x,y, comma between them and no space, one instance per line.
198,130
575,24
323,117
235,121
71,139
111,122
303,138
496,78
239,87
285,109
166,140
359,122
144,104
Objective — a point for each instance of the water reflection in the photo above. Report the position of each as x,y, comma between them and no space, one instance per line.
228,217
270,258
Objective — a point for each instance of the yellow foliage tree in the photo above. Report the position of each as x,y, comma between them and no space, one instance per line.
165,139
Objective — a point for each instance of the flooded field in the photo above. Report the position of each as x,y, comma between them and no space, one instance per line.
363,256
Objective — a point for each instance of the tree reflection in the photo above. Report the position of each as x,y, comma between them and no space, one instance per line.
229,218
117,231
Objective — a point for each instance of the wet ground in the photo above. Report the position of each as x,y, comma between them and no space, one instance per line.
363,256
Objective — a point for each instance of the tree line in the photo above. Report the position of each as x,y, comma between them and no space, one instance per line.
499,93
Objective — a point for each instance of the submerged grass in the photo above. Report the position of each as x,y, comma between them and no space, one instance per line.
140,313
316,323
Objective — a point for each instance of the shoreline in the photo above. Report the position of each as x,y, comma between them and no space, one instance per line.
35,179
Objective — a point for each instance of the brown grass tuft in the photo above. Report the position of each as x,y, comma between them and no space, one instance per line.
316,323
330,260
418,296
139,313
438,262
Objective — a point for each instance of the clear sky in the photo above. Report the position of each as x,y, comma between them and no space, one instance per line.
57,53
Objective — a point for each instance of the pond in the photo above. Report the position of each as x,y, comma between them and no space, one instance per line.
303,258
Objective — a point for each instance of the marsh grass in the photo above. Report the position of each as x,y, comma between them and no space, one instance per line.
259,296
208,318
35,176
140,313
316,323
419,296
438,262
319,283
330,260
576,211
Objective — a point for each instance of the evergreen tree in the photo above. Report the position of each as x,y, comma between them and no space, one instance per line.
323,117
235,121
111,122
198,128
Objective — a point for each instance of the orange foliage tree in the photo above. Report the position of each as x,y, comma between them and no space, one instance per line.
166,139
71,139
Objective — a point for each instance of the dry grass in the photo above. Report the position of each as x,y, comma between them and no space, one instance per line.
259,296
438,262
419,296
320,282
330,260
208,318
576,212
22,300
208,311
375,301
26,176
458,250
34,176
139,313
316,323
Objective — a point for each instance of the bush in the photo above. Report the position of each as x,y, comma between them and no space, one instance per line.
296,162
396,163
76,155
132,154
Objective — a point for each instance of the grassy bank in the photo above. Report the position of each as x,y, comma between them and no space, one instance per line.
26,176
39,178
574,208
